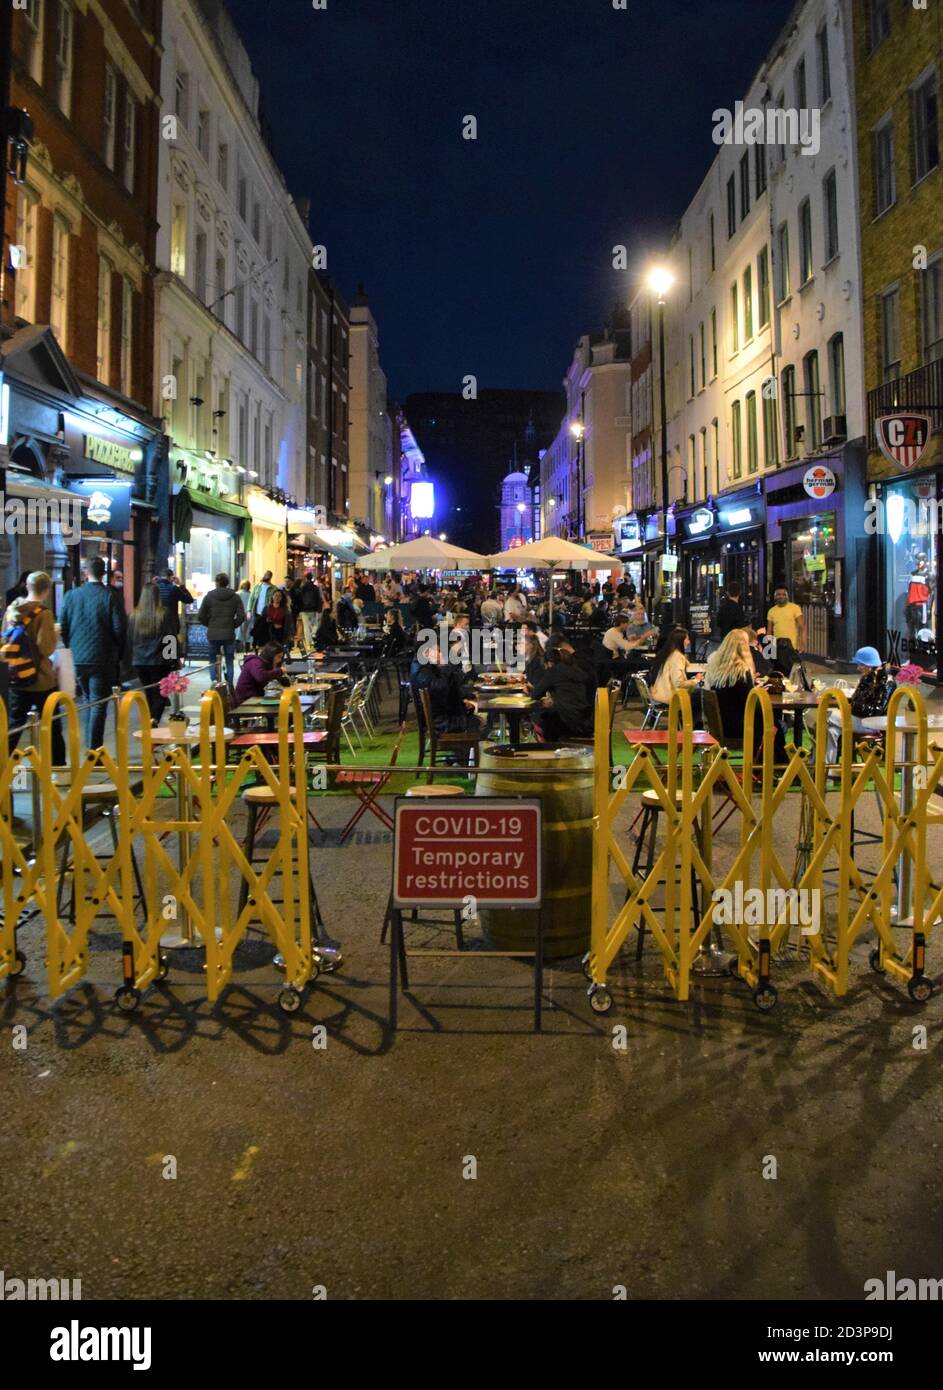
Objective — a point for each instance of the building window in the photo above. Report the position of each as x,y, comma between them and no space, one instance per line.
257,460
267,343
199,267
59,301
836,372
830,200
33,38
885,181
182,96
770,424
703,357
705,462
242,195
219,288
759,169
178,241
222,164
783,281
692,467
926,127
267,446
130,137
692,386
931,310
731,206
715,452
889,323
713,245
253,326
813,414
64,27
789,411
748,304
243,430
825,73
257,224
744,186
239,302
736,440
805,242
879,21
203,134
713,343
762,287
111,107
269,239
780,104
103,350
752,451
734,319
26,270
802,91
690,274
127,331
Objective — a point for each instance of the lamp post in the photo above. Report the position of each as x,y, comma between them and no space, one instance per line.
578,431
660,281
521,509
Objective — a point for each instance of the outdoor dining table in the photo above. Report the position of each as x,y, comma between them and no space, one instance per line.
798,701
908,728
510,708
183,937
266,707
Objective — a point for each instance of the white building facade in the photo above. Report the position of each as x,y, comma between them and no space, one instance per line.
233,255
371,433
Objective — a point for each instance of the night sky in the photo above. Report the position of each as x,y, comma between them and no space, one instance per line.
491,257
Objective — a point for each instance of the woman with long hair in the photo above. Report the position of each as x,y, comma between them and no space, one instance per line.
274,622
731,675
669,671
328,634
394,636
572,693
152,630
258,670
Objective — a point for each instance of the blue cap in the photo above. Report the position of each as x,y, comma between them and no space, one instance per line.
867,656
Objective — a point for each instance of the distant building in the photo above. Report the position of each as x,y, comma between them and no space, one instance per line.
370,435
517,514
468,444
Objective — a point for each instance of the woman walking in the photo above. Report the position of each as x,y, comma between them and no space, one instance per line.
152,631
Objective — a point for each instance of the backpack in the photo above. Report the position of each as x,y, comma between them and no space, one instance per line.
18,651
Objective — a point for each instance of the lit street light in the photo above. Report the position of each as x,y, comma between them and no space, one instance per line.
578,431
521,509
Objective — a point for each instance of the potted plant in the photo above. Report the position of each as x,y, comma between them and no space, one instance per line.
172,687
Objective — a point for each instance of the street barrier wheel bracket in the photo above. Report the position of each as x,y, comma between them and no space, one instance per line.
289,1000
586,966
600,1000
127,998
874,960
18,966
765,997
163,968
920,990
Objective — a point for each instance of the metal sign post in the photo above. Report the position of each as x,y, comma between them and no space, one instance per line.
483,849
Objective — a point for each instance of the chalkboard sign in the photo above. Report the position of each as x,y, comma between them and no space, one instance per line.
700,619
198,644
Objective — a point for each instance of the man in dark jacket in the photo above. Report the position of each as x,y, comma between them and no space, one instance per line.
221,612
172,595
730,614
94,625
312,604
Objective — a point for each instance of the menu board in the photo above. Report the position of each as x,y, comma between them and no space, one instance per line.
699,617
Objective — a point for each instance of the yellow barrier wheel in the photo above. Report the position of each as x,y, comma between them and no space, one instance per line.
585,964
289,1000
127,998
874,960
18,966
765,997
920,990
163,968
600,1000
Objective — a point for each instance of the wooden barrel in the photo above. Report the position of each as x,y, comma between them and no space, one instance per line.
567,844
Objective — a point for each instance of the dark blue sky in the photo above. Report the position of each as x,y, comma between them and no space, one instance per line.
491,257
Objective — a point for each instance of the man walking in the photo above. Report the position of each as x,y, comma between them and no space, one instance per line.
172,594
38,684
94,625
730,613
260,598
312,604
221,612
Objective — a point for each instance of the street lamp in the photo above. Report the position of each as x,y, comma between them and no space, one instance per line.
578,431
660,281
443,536
521,509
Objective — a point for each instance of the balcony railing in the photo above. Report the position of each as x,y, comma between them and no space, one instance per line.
921,391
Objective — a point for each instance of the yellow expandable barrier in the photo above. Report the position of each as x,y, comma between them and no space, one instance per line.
682,873
194,884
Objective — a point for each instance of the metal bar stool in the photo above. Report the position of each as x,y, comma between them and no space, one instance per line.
651,810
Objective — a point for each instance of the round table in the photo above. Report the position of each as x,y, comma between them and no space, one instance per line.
508,707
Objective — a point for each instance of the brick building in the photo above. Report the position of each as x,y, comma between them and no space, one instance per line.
77,346
898,58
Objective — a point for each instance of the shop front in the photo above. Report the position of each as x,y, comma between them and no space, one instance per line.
813,527
269,537
740,529
627,534
660,570
210,535
701,579
910,510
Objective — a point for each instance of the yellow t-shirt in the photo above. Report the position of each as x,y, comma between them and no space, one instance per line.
783,622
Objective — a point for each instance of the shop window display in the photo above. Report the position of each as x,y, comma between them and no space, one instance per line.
210,553
813,579
912,559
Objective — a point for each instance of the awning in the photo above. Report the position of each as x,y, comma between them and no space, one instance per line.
208,503
340,552
22,485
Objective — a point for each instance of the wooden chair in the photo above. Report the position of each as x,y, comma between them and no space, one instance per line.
441,744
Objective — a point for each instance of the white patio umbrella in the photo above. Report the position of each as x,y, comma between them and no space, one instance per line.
554,553
425,553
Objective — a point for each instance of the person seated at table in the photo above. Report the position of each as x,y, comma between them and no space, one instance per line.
731,675
761,662
573,695
534,664
328,634
669,671
452,712
868,700
532,629
394,635
258,670
492,610
345,612
621,647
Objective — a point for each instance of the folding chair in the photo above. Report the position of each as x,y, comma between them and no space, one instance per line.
367,786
